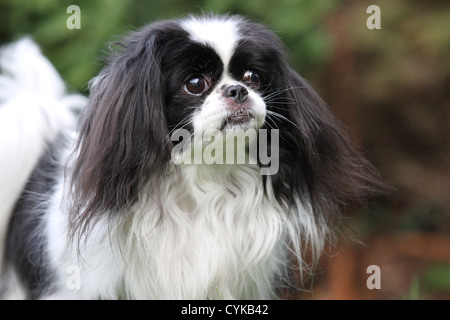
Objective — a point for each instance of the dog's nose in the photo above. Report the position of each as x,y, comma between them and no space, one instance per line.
237,92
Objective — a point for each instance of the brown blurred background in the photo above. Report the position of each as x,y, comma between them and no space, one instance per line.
390,87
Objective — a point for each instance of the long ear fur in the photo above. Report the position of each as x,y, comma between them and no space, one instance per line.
318,163
123,141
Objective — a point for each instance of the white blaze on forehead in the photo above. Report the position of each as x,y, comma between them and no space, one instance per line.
221,34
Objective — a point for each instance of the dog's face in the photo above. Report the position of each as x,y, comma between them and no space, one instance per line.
217,75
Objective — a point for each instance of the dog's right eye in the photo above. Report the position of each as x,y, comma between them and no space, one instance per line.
196,85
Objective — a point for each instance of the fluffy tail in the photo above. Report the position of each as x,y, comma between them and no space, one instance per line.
34,108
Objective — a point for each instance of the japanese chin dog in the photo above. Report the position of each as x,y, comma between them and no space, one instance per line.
201,166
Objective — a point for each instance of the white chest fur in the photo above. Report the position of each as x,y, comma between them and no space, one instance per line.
220,236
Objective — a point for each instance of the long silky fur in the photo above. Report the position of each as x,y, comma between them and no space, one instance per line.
142,227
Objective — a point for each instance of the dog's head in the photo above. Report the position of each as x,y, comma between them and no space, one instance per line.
209,73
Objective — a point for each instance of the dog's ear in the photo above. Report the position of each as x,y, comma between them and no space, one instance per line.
318,163
123,141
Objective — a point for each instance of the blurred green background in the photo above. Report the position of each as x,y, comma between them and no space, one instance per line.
390,87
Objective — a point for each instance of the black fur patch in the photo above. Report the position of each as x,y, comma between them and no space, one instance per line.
26,242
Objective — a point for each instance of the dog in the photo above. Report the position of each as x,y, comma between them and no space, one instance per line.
115,204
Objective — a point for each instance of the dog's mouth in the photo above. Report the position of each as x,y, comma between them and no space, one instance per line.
240,118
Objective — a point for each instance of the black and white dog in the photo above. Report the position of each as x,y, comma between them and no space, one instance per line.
107,209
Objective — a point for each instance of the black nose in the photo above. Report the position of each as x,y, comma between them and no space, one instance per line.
237,92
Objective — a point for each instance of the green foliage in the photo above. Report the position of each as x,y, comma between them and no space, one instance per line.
434,280
437,278
414,290
76,53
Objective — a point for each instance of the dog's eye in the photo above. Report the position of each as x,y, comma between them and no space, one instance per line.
252,77
196,85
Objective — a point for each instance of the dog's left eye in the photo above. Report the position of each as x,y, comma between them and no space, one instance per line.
252,77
